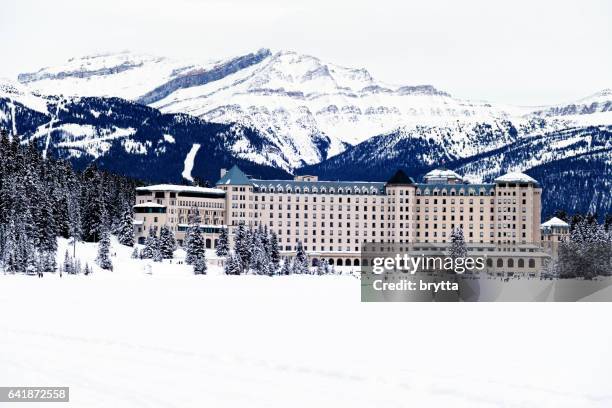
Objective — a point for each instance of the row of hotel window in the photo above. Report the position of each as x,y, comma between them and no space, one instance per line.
381,200
372,216
376,191
507,202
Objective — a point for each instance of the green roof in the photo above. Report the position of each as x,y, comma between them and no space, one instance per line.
234,176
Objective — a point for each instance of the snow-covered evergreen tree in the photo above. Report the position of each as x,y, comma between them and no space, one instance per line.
199,265
167,242
587,253
67,266
287,268
242,246
323,267
222,248
150,245
233,265
274,251
457,244
103,258
300,262
125,232
195,245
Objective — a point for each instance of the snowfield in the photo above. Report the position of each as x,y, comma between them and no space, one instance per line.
168,338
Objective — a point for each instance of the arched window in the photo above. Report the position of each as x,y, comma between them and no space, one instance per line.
531,263
356,262
510,263
339,262
500,263
489,262
521,263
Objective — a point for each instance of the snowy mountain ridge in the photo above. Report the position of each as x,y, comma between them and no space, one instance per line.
308,109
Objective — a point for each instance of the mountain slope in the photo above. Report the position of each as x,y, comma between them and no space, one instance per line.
129,138
572,165
291,111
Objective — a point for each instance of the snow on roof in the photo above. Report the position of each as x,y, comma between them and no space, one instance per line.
149,204
555,222
178,188
442,173
516,177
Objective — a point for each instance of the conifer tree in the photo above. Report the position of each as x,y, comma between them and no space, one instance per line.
125,232
242,246
231,265
286,269
300,263
103,258
274,251
167,242
222,243
195,246
67,265
457,246
199,265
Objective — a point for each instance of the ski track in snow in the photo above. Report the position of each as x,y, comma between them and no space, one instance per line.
189,162
12,105
53,119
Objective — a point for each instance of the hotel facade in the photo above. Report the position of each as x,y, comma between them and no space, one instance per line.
333,219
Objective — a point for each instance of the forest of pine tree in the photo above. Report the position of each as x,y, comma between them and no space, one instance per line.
41,199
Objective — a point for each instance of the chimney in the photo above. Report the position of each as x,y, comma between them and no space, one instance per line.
223,171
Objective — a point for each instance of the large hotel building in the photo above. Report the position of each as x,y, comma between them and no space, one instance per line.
333,218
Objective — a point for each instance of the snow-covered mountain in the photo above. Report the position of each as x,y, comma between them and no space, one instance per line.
304,113
308,109
127,137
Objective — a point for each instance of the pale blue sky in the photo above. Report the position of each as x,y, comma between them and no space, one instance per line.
521,52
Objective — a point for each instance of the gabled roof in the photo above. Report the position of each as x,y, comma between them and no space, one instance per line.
234,176
400,178
516,177
443,173
555,222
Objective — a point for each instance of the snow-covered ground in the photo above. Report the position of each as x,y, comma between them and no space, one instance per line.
172,339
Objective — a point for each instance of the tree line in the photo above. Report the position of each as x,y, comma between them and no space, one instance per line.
41,199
